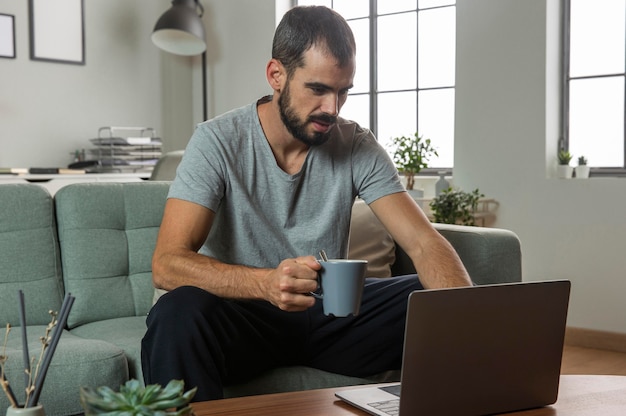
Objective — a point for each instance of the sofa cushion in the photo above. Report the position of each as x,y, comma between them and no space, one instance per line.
29,254
369,240
125,333
107,234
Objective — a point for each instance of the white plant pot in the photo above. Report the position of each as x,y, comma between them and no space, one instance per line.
564,171
582,172
28,411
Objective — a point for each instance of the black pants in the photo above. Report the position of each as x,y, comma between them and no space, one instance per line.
209,342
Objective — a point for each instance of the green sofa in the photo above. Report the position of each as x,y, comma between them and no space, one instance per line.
95,241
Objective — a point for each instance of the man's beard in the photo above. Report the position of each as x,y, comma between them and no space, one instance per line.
296,127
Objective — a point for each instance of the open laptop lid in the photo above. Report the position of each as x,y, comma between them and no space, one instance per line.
476,351
483,350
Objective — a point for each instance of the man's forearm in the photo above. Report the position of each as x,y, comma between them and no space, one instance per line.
438,265
172,270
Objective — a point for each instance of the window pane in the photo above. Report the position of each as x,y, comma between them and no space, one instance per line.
397,60
361,31
357,108
396,116
351,9
425,4
597,37
396,6
436,122
437,46
597,121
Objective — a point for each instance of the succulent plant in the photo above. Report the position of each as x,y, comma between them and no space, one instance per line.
564,157
135,400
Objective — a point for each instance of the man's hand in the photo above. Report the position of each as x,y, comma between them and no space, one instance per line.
288,286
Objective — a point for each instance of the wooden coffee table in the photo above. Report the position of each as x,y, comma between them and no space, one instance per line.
578,396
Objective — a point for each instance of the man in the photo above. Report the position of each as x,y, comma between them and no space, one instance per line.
259,191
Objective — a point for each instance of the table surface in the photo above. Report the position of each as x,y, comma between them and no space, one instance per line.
578,396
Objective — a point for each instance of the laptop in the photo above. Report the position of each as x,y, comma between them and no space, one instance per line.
476,351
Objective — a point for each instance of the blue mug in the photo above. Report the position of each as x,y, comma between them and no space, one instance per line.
341,286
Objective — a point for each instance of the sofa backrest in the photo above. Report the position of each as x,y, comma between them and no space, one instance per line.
29,254
107,234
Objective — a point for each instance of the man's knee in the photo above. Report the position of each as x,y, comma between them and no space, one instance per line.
181,307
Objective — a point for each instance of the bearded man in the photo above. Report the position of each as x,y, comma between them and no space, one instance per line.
259,191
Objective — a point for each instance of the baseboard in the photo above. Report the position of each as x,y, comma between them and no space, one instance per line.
591,338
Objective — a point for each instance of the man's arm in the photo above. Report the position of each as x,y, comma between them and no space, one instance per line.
437,263
176,262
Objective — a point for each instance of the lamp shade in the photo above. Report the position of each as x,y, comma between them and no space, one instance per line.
180,30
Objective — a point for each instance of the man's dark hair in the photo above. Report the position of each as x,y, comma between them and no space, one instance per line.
306,26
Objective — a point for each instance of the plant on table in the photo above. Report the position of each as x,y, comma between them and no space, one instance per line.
411,155
135,400
454,206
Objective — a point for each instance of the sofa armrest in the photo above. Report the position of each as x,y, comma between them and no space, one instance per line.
490,255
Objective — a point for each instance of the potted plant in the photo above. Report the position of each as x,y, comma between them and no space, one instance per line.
454,206
564,170
411,155
135,400
582,170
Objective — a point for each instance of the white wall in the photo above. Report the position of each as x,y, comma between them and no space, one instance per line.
506,135
47,110
240,36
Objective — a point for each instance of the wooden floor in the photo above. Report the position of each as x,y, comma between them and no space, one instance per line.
579,360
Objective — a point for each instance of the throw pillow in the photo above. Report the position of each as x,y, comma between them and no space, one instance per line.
369,240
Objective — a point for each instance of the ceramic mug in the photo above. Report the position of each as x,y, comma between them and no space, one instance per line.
341,286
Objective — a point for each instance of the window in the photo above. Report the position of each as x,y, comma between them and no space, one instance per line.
594,88
405,69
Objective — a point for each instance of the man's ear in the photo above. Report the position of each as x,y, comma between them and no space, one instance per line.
276,75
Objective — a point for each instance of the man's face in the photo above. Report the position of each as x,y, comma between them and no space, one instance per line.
311,99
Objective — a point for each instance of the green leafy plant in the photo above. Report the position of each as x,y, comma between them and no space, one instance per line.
411,155
582,161
135,400
454,206
564,157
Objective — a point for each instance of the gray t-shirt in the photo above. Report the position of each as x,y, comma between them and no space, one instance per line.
263,214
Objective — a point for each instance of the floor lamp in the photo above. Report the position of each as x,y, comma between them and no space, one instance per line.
180,31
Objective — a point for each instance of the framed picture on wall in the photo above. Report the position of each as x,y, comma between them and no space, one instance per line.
7,36
57,31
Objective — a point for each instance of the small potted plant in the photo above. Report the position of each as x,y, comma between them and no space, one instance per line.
564,170
135,400
582,170
411,155
454,206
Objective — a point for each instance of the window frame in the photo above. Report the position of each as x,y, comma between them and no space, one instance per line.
563,143
373,92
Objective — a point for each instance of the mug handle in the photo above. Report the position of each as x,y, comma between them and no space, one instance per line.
319,294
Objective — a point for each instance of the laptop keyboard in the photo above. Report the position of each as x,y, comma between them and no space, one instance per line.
388,407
